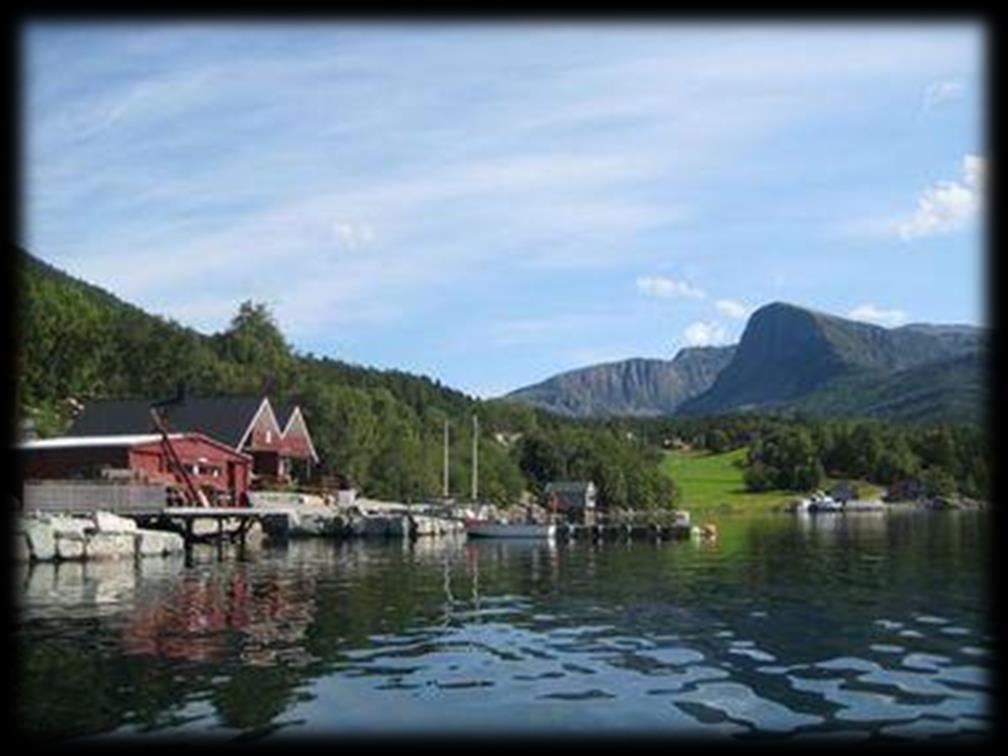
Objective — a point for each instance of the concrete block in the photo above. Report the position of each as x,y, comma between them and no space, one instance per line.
106,522
70,545
158,543
41,540
103,545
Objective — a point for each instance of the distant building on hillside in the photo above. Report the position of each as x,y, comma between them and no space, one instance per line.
573,499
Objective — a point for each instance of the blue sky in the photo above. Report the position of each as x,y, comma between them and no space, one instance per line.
491,204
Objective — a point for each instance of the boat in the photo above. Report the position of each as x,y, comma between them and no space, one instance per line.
492,529
821,502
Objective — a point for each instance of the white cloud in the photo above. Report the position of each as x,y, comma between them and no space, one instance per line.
666,288
940,92
948,205
351,236
873,314
705,334
732,309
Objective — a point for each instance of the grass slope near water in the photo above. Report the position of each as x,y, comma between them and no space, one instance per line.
714,483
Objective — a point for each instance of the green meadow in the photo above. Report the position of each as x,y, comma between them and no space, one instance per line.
714,484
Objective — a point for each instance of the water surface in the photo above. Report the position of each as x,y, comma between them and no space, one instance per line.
826,626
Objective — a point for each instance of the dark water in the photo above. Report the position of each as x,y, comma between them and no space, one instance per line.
827,626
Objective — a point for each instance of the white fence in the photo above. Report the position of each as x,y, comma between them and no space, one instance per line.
87,496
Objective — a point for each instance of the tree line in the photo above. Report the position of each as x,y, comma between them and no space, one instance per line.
795,451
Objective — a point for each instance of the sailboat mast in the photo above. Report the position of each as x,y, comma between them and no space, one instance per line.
475,466
446,459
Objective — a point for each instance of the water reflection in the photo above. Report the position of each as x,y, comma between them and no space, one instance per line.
785,626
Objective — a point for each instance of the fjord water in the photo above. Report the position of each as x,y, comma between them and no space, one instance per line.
826,626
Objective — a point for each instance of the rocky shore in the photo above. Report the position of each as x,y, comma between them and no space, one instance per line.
351,522
100,536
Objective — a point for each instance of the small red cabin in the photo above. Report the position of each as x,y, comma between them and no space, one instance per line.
214,467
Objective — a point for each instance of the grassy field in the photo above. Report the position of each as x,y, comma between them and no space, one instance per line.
713,483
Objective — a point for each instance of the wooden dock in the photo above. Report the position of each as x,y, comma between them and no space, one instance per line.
183,519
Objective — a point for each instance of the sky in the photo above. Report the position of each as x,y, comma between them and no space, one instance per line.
491,204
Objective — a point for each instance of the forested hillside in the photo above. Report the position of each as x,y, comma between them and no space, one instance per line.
382,428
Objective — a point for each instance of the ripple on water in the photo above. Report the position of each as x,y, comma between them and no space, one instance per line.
676,657
855,705
889,624
584,695
925,727
887,648
849,663
740,703
955,630
754,654
973,651
931,662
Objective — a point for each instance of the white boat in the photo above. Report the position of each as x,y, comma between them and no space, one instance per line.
490,529
824,503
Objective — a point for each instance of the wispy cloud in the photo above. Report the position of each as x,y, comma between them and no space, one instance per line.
880,316
948,205
702,333
733,309
667,288
941,92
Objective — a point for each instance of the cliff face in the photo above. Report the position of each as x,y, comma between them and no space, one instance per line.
629,387
791,357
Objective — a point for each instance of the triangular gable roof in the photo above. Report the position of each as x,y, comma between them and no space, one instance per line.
266,407
226,419
295,416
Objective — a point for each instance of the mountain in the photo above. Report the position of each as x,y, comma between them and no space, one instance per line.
629,387
790,357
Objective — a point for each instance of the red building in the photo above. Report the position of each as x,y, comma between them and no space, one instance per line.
297,452
245,424
214,467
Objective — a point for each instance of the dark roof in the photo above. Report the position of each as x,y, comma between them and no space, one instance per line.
569,486
223,418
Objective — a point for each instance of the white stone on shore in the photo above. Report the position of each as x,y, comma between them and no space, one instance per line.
158,543
106,522
104,545
70,545
41,539
72,526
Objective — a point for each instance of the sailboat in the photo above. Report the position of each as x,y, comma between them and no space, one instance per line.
485,528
